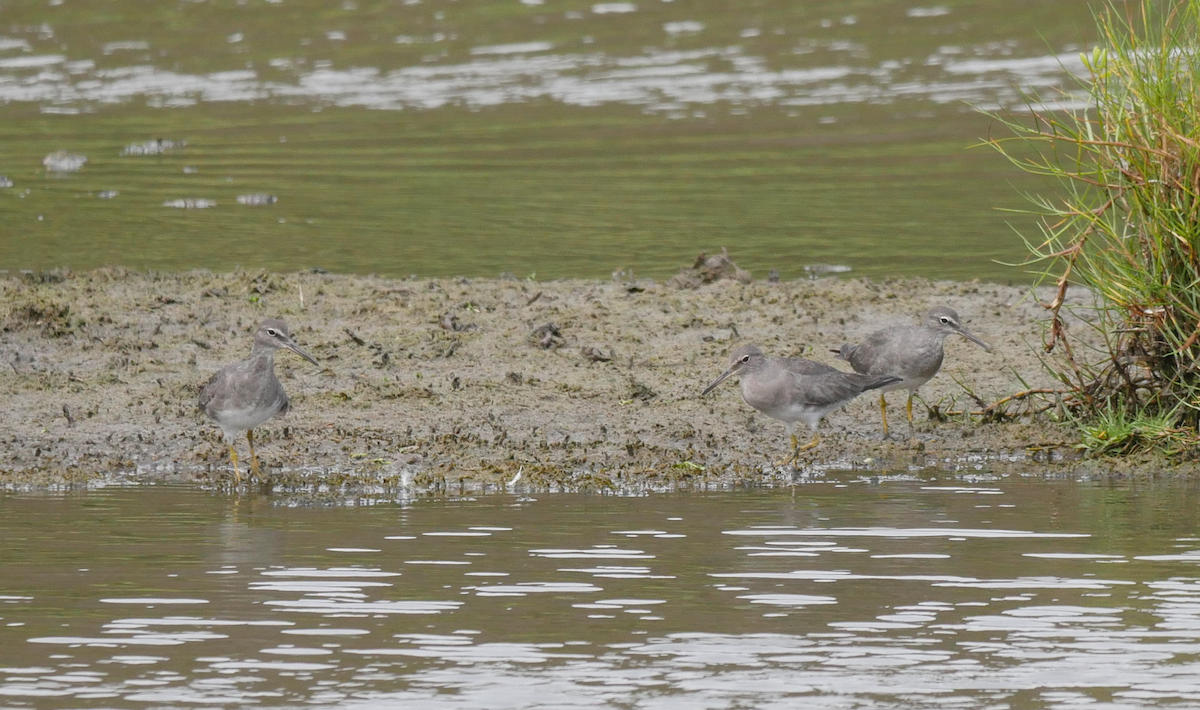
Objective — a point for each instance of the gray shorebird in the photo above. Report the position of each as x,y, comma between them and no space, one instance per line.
794,389
245,394
913,353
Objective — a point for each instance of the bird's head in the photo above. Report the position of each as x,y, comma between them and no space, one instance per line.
273,334
946,321
744,358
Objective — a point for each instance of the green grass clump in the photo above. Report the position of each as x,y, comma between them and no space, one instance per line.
1126,224
1120,431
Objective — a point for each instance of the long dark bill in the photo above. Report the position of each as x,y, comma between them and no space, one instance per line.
300,351
962,330
724,376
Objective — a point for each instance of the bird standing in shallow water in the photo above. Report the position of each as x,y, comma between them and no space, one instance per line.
913,353
245,394
795,389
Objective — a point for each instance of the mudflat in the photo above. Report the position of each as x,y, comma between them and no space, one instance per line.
457,382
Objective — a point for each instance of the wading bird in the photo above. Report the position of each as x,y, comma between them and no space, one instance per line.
794,389
242,395
913,353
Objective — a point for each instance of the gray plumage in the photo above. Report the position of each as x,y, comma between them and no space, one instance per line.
914,353
795,389
242,395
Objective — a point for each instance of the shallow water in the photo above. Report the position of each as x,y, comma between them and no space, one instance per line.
546,137
938,591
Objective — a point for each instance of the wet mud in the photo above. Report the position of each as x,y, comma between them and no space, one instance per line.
489,384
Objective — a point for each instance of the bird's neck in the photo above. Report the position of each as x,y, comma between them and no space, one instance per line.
262,356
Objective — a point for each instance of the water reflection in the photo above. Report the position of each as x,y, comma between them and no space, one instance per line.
874,602
453,138
668,59
673,82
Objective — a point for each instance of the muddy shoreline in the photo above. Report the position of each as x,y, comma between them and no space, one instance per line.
471,383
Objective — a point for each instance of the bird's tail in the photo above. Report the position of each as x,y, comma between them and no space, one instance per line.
874,383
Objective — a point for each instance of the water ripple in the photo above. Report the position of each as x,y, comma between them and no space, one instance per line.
659,79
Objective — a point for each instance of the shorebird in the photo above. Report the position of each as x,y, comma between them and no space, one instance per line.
242,395
795,389
913,353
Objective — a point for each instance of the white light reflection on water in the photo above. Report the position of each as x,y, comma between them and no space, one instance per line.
326,632
659,80
315,586
339,572
618,572
904,533
347,607
599,552
152,601
525,588
921,617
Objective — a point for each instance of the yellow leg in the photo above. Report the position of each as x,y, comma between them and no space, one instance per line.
237,475
792,456
797,448
254,470
912,432
883,414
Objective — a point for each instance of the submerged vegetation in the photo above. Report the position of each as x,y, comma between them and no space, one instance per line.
1125,227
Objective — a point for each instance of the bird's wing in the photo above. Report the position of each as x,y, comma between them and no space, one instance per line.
805,367
833,387
876,354
207,392
214,390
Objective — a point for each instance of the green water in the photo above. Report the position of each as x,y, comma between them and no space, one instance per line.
398,139
975,592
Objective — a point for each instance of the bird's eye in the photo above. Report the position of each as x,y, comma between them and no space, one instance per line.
272,332
745,358
945,320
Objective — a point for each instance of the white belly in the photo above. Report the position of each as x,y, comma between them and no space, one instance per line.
909,383
808,414
236,420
